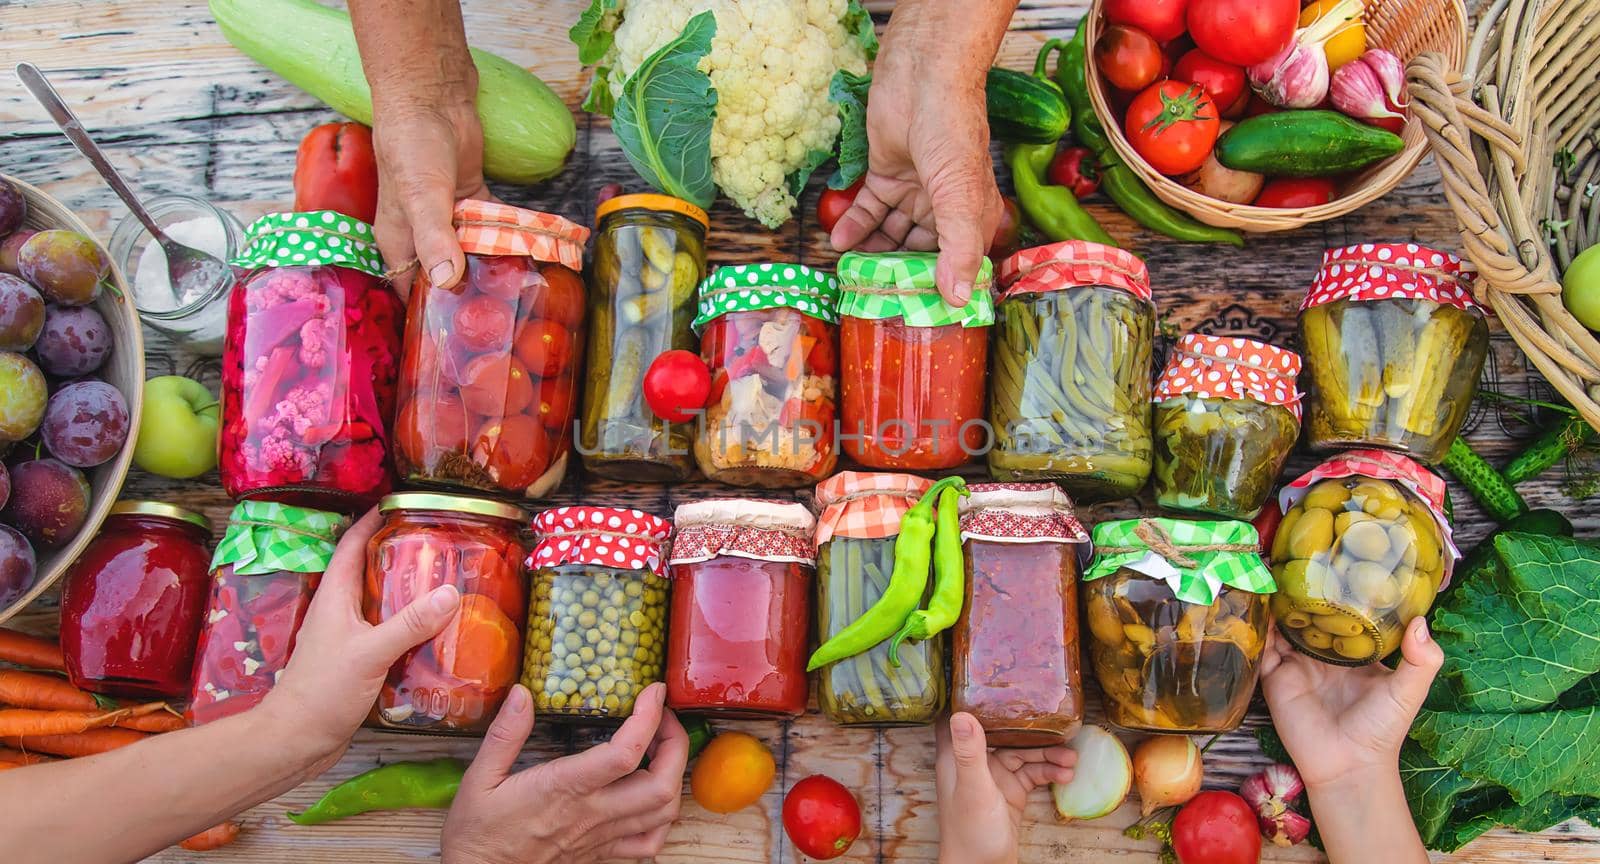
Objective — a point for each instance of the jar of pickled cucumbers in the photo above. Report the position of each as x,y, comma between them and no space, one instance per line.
649,257
1177,617
1363,548
1226,414
1394,345
1071,394
856,530
597,620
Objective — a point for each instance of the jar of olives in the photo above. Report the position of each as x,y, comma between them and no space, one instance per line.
1227,414
1363,548
1177,616
597,621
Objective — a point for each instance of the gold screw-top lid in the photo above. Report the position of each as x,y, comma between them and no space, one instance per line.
158,508
451,503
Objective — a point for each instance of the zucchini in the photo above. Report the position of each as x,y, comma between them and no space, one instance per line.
1304,144
1025,109
527,129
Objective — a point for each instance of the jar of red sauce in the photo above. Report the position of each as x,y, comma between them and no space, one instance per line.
132,602
741,608
912,367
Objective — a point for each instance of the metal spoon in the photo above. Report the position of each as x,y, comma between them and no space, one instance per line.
187,268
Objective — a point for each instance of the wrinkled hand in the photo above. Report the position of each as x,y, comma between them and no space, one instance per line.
982,794
591,806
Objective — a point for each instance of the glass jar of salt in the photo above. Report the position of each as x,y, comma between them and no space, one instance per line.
194,317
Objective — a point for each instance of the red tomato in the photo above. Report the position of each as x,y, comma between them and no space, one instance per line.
1296,192
1173,126
833,203
821,817
1076,169
1243,32
336,169
494,385
1266,523
483,323
554,403
1128,57
563,297
1008,233
1223,82
1216,827
1162,19
515,451
425,434
544,347
676,384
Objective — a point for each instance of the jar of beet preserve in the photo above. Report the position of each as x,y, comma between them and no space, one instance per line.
132,602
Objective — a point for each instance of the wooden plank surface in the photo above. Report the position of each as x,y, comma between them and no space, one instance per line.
182,111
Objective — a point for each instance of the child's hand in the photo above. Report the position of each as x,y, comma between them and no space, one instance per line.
982,794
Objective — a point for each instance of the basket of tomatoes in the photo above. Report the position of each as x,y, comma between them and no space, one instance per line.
1265,115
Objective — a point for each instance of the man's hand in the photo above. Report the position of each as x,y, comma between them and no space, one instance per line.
982,794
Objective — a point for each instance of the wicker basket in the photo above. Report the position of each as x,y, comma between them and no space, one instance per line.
1406,27
1530,91
124,369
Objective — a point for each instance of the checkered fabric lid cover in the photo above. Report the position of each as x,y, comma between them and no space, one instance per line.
865,505
743,528
902,285
487,228
1387,271
1073,264
265,537
314,238
1227,367
1176,551
746,287
623,538
1020,513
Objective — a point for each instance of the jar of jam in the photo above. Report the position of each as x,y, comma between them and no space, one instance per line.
1014,662
454,682
912,367
491,365
1394,345
649,257
309,365
598,620
1071,395
263,574
768,335
1226,414
741,608
132,602
1177,615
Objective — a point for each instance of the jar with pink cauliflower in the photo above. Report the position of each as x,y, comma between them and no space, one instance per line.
309,365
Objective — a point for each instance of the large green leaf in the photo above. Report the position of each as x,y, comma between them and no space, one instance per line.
1529,754
858,23
1451,809
663,120
798,178
849,91
595,30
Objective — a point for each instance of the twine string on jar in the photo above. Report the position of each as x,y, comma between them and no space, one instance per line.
1157,540
603,532
897,291
1232,362
1431,272
288,529
1071,268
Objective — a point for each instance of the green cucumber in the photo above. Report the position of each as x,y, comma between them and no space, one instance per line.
1304,144
1499,499
1025,109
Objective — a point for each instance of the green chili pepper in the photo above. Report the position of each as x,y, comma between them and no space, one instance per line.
949,583
395,786
1050,208
913,549
700,734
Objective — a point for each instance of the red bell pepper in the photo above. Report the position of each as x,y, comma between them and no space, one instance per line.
336,169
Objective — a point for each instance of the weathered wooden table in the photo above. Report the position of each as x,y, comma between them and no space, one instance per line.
183,112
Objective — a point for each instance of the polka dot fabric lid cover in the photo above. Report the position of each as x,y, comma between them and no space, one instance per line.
314,238
1073,264
747,287
487,228
1228,367
1388,271
617,537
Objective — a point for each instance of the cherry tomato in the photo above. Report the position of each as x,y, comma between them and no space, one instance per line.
833,203
677,384
494,385
1243,32
562,298
1216,827
1076,169
544,347
1162,19
1007,234
1296,192
1128,57
483,323
1173,126
1223,82
554,403
515,451
821,817
732,773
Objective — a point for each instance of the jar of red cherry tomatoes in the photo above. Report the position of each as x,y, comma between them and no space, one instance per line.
263,574
741,608
308,365
912,367
132,602
768,334
455,681
490,375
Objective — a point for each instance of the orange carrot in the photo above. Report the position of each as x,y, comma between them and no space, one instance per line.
25,650
159,721
16,758
212,838
32,690
26,721
82,744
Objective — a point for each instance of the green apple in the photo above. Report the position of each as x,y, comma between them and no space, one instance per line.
1580,288
178,428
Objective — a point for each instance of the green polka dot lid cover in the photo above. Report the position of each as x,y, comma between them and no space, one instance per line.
316,238
746,287
902,285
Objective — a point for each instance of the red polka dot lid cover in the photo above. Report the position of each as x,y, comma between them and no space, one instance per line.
1387,271
1073,264
617,537
1230,367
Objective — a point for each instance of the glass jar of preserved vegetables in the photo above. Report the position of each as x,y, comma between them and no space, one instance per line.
1227,414
1394,344
768,333
598,620
649,257
912,367
1363,548
741,608
309,365
1071,395
1014,662
132,602
263,574
491,364
856,530
454,682
1177,615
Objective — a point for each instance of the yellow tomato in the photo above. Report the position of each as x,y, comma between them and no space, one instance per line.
1341,49
732,773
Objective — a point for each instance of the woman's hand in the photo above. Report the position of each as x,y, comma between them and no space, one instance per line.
982,794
